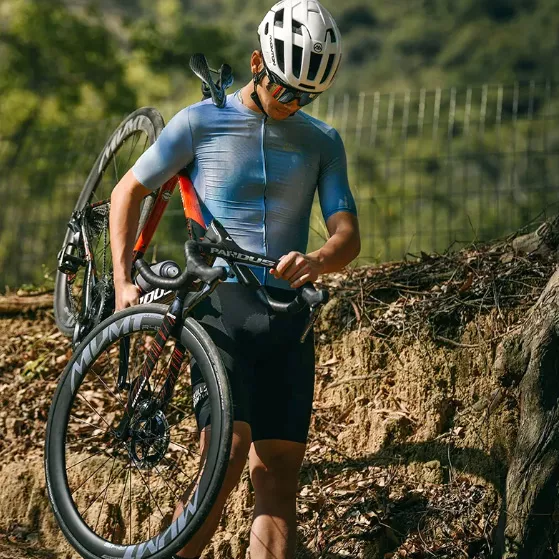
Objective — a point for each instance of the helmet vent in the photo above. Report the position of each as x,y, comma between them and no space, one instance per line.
280,54
330,32
297,61
314,66
296,27
313,8
278,18
266,29
328,68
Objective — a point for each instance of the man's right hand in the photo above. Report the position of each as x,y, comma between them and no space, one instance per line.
127,294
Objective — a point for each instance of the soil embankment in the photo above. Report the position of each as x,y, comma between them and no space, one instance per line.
412,430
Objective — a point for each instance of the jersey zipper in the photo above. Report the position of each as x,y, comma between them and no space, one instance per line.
264,193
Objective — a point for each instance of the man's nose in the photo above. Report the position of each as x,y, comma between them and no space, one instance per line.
293,104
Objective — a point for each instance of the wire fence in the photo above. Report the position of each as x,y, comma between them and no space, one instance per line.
433,167
430,169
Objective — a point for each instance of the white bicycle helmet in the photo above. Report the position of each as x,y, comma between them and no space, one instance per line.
301,44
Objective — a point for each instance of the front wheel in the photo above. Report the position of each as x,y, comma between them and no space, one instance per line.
144,494
87,236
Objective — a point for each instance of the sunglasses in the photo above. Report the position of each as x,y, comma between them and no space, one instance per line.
285,94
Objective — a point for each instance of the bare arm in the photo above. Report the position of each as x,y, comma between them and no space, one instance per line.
126,200
339,250
343,245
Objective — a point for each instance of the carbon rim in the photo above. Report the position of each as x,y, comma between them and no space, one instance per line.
131,138
109,495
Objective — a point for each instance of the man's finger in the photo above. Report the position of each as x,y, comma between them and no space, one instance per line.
293,268
284,262
300,281
304,271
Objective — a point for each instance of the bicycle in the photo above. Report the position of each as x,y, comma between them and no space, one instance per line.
122,413
83,289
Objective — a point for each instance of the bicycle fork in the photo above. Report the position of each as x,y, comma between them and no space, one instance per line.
169,328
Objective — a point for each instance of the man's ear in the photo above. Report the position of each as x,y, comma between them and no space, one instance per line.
256,63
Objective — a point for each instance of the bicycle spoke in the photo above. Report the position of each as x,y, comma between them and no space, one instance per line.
187,477
123,492
117,174
149,504
142,477
186,416
185,448
111,392
130,497
90,424
83,483
84,439
157,374
104,491
95,411
135,142
103,450
166,482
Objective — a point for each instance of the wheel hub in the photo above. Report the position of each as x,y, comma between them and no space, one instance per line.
149,437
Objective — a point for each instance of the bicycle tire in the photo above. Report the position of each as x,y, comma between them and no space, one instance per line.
146,120
89,544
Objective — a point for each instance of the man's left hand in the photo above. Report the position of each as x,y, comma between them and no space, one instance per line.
297,269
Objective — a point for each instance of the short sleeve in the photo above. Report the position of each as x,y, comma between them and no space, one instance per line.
171,152
333,184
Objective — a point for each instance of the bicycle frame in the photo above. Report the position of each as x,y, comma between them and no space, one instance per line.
196,225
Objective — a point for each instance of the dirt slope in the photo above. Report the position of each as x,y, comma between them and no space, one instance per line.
411,433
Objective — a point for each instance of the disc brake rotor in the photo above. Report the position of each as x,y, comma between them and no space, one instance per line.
149,439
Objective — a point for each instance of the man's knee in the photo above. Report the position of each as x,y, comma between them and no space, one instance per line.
274,469
275,483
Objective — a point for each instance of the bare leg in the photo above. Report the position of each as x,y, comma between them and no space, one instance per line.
239,451
274,471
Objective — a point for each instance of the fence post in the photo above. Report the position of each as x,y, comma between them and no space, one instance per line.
359,123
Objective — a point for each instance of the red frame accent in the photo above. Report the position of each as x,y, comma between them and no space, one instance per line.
191,206
191,202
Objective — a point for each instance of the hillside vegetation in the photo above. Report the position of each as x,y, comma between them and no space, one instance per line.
93,59
447,158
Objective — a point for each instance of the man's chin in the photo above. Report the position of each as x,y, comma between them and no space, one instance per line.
280,115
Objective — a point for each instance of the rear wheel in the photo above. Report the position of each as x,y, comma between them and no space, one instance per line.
87,236
145,493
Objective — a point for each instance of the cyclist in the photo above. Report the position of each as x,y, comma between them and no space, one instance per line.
256,164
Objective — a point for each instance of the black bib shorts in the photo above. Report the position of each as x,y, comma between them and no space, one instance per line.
270,372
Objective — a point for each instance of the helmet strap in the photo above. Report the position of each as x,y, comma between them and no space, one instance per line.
256,79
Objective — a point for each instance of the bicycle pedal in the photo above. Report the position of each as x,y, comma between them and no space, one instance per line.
67,262
71,264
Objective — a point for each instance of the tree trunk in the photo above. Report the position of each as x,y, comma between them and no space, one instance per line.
530,358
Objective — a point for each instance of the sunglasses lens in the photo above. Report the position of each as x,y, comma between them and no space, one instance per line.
285,95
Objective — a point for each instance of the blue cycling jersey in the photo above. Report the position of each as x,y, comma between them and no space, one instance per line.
257,176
